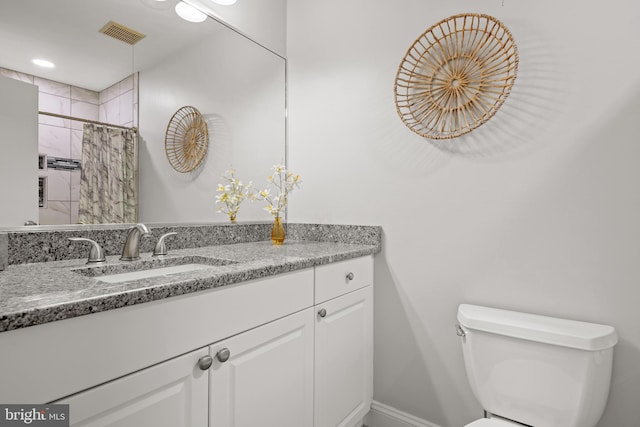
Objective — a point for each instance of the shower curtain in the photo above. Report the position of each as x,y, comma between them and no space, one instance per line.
108,181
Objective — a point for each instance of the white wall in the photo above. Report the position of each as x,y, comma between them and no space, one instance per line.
239,87
538,210
18,152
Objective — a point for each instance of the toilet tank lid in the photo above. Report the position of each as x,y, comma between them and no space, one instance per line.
533,327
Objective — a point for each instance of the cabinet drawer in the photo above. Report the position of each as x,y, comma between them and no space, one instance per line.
333,280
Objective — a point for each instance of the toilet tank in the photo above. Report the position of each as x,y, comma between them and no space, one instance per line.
537,370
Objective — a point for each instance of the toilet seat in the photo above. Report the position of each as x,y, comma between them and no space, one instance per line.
492,422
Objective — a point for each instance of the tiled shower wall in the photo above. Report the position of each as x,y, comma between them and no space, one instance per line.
60,140
119,103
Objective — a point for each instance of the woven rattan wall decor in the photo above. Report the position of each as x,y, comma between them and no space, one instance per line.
456,76
186,140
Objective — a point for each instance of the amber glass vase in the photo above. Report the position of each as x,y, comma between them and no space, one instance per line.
277,232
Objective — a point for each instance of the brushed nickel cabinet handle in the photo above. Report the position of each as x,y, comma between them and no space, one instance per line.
223,355
205,362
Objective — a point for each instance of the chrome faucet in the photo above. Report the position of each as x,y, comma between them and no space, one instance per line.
131,250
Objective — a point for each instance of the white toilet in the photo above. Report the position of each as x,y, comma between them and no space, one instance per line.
533,370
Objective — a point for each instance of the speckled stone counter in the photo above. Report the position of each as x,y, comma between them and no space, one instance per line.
4,251
41,292
47,243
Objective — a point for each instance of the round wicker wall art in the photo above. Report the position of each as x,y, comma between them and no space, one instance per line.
456,76
186,140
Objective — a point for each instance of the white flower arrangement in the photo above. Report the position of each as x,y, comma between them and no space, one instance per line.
284,182
233,193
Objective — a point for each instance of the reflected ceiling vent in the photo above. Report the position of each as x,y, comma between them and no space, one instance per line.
122,33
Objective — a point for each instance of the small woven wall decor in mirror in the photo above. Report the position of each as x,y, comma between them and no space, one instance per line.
456,76
186,140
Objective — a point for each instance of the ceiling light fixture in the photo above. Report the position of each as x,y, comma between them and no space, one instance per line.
43,63
189,13
224,2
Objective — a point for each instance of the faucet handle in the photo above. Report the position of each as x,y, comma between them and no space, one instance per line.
96,254
161,248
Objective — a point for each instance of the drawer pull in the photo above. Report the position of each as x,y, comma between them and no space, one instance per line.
223,355
322,312
350,276
205,362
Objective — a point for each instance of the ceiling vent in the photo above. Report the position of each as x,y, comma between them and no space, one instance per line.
122,33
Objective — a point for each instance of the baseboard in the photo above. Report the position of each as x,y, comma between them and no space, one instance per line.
382,415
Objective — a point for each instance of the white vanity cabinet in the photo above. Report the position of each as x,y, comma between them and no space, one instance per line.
262,377
56,360
292,350
344,343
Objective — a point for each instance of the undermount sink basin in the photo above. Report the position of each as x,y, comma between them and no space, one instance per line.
146,269
146,274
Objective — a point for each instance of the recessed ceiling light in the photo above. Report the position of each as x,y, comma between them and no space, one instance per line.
189,13
224,2
43,63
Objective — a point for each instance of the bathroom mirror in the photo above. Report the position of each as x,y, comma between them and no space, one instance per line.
236,83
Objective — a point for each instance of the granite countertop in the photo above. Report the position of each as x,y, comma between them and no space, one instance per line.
42,292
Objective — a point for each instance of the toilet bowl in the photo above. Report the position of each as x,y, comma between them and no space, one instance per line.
535,370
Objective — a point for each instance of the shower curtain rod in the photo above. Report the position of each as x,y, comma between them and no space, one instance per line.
93,122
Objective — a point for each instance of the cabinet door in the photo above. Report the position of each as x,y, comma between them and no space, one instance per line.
344,359
264,377
170,394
